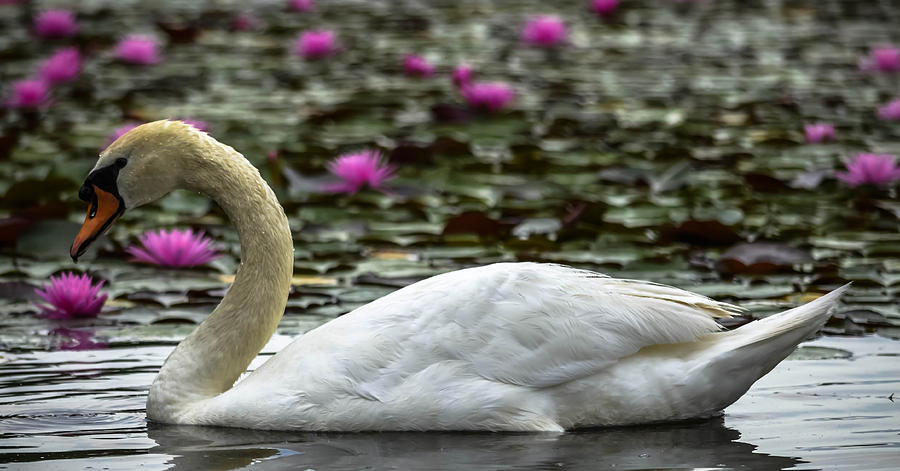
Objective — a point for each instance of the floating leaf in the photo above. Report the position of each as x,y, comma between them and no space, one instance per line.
712,233
760,258
473,222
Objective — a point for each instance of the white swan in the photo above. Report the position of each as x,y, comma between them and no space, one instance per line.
504,347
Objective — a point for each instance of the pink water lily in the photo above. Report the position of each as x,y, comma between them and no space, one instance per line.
462,75
73,339
197,124
301,5
62,66
70,295
605,8
489,96
29,94
544,31
873,169
138,50
317,44
890,111
174,248
881,59
56,24
819,132
358,170
417,66
244,22
119,132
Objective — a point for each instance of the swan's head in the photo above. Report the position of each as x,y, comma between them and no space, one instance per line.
141,166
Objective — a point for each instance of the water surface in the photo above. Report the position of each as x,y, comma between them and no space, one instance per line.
646,148
826,407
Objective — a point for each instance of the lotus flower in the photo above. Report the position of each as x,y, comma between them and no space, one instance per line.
72,339
70,295
890,111
882,58
301,5
605,8
462,75
29,94
358,170
317,44
139,50
196,123
174,248
544,31
490,96
874,169
56,24
819,132
417,66
63,66
244,22
119,132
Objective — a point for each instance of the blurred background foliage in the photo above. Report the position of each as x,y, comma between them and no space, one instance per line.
664,143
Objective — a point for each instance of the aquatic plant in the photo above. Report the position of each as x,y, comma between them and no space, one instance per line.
417,66
819,132
119,132
55,24
137,49
63,66
70,295
882,59
462,75
244,22
873,169
174,248
890,111
316,44
301,5
359,169
29,94
197,124
544,31
489,96
75,339
605,8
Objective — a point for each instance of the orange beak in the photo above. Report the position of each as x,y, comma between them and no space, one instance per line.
105,208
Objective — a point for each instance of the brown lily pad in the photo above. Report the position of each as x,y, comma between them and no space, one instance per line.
704,233
473,222
759,258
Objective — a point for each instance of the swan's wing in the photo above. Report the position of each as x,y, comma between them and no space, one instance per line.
526,324
559,324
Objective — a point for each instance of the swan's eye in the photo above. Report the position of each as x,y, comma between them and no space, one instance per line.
121,162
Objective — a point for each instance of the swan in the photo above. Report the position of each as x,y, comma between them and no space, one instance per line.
502,347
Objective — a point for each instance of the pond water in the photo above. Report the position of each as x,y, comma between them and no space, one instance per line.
825,407
653,145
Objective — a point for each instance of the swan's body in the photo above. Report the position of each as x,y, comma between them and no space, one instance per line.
505,347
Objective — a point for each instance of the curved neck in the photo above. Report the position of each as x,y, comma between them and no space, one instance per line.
208,361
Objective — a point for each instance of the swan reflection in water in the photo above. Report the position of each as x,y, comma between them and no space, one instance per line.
701,444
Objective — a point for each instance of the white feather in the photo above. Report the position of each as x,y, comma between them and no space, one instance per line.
504,347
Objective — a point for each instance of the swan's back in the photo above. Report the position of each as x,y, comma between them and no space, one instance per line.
466,350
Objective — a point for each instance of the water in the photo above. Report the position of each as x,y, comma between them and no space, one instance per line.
667,125
827,406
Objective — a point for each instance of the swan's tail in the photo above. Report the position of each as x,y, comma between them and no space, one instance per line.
744,355
783,331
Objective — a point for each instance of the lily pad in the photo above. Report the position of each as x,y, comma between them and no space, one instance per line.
759,258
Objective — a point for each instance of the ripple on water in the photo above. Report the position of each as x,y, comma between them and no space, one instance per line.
67,410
